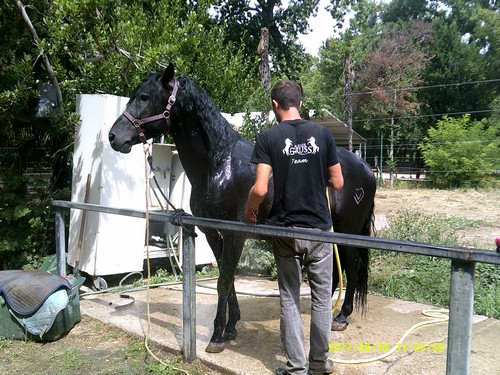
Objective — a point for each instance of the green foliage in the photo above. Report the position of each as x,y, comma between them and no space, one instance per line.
94,47
26,221
427,279
284,22
461,152
252,126
257,258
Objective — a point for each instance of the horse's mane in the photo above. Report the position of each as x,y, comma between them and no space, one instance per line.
219,134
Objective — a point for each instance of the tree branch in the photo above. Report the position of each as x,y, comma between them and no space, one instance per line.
45,58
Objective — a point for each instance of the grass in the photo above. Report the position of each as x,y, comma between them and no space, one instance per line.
100,350
427,279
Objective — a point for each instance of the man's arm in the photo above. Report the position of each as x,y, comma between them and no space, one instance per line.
258,192
335,177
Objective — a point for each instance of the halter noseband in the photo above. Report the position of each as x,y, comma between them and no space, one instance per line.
137,122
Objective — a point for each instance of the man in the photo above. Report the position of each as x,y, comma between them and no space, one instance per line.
302,158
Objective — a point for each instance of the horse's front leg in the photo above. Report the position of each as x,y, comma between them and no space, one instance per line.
231,332
216,344
226,297
228,260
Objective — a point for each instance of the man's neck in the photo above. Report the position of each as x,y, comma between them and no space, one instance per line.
291,114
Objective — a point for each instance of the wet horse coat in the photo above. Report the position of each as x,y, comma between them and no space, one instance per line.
216,160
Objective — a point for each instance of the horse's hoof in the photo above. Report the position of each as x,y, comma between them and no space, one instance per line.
337,326
215,347
230,335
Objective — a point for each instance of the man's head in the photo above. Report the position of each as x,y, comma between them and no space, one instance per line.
286,94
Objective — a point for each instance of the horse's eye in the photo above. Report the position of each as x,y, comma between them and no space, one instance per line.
144,97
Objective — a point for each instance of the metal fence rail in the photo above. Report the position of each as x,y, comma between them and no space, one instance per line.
463,261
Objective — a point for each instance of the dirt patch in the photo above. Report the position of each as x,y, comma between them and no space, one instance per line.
481,206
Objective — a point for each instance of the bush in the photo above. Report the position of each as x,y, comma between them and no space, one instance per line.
26,221
461,152
427,279
257,258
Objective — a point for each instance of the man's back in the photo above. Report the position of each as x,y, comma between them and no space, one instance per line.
300,153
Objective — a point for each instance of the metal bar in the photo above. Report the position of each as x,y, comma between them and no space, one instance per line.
460,324
461,285
263,231
188,294
60,242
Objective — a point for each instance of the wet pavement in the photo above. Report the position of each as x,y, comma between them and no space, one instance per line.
257,349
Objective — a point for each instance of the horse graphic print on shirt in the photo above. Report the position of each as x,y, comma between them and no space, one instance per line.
301,149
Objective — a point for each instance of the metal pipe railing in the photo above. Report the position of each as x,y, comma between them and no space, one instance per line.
463,262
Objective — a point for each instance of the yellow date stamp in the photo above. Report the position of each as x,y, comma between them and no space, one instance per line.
384,347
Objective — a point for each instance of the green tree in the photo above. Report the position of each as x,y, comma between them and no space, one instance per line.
245,19
386,79
461,152
324,85
464,61
93,47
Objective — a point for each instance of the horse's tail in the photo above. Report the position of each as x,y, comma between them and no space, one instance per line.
361,287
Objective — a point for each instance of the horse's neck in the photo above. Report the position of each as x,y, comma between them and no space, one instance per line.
205,140
212,137
202,159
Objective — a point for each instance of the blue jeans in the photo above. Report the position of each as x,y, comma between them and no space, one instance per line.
317,258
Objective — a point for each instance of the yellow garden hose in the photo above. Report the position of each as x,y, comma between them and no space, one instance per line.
339,269
438,315
337,259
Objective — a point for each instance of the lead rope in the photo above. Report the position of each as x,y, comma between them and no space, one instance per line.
146,339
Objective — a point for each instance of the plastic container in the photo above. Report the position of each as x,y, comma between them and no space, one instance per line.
12,328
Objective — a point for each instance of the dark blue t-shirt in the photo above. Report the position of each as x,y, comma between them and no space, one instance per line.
300,153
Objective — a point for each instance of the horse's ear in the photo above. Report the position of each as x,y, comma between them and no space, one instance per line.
168,75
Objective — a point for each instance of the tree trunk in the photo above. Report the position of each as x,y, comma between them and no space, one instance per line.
44,56
348,79
263,51
391,150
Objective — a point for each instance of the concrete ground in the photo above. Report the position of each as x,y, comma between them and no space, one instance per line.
257,349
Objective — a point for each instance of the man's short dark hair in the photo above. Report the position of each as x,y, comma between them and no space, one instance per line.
287,93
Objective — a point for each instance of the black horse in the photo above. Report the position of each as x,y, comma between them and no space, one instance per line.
216,160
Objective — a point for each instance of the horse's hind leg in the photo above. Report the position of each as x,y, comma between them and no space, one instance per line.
340,323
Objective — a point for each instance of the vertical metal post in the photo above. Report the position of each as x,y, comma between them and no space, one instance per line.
381,180
461,311
60,242
188,294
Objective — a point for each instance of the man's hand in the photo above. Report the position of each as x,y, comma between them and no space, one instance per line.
257,193
251,215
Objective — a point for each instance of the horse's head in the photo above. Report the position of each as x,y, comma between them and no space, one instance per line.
147,113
